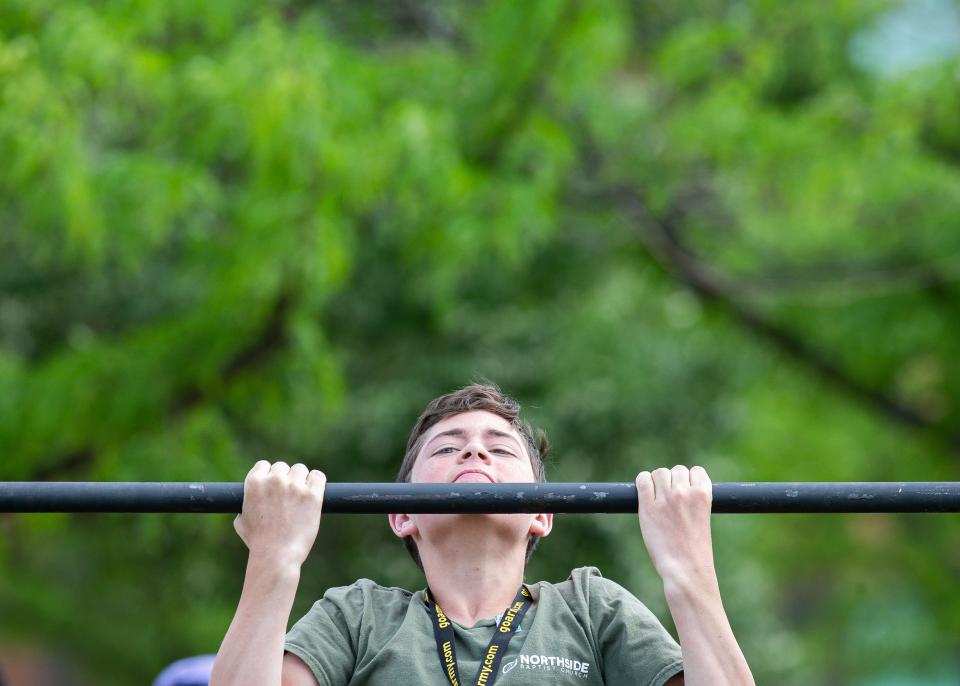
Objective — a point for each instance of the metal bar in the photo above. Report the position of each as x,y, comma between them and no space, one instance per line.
374,498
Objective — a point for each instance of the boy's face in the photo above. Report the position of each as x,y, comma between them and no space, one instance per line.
476,446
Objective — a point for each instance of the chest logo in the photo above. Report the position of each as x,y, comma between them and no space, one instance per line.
555,664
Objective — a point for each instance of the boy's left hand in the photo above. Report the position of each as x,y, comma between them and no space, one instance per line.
674,513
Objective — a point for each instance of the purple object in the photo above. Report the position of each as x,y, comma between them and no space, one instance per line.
190,671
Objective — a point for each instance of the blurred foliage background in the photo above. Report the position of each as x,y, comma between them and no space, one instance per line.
723,233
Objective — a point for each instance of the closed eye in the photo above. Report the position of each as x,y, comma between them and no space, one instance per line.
445,449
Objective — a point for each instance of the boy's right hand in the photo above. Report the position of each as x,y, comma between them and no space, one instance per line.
281,511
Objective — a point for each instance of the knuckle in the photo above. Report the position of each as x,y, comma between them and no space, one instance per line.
276,483
258,469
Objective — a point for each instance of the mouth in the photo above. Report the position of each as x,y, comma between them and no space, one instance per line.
472,475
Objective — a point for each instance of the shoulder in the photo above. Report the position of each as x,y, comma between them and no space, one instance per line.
583,584
366,588
588,594
364,593
349,606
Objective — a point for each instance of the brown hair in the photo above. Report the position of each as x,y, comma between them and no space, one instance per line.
477,396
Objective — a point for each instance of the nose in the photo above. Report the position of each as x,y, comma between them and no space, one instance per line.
473,449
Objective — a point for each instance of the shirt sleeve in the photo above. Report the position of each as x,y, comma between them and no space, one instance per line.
635,648
326,638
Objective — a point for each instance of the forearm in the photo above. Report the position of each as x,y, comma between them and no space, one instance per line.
252,651
711,655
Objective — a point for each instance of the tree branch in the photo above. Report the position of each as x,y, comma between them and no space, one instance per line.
484,146
662,238
845,282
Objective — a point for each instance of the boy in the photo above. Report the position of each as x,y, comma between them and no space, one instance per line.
477,622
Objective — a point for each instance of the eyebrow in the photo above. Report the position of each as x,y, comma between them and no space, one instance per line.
460,433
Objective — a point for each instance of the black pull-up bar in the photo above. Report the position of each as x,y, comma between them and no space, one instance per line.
379,498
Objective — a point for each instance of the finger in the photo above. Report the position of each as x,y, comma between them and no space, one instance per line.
644,488
680,478
699,477
317,482
260,467
700,481
279,468
661,483
298,473
254,477
316,479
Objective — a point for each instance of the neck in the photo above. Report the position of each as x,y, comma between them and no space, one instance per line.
473,577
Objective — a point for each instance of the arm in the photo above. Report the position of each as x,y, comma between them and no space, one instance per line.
279,522
674,516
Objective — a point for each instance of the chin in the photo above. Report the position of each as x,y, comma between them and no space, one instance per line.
501,525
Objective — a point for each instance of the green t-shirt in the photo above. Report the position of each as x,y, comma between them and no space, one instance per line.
586,630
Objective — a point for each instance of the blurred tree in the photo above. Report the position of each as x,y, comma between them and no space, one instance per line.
678,232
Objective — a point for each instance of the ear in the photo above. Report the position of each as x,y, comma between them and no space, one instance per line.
542,524
403,525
